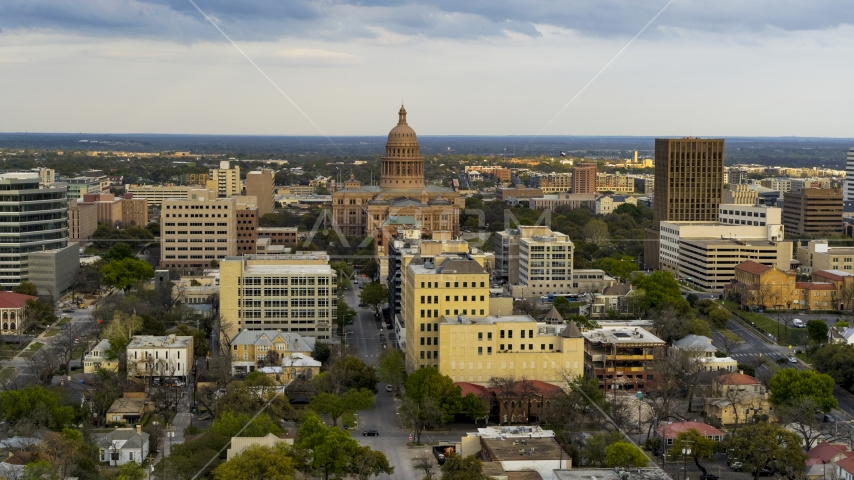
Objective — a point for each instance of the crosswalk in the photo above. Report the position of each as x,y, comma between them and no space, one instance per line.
764,354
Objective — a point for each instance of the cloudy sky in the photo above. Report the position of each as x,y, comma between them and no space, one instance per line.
480,67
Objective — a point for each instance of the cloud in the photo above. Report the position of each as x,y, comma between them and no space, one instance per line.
314,56
257,20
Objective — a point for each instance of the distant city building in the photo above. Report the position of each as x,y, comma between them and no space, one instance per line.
53,271
609,182
82,221
197,230
741,195
252,349
736,176
584,178
849,176
156,194
225,180
812,212
259,183
246,211
518,192
555,200
551,182
134,210
644,184
608,203
761,215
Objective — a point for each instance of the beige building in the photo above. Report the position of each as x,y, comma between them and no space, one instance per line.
756,215
476,348
13,312
544,262
82,221
197,230
551,182
291,293
740,195
818,255
156,194
608,203
259,183
279,235
519,192
614,183
567,200
225,180
622,357
96,359
134,210
812,212
239,444
584,178
107,206
736,398
160,356
253,349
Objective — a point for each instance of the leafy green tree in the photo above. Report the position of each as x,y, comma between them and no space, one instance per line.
596,445
325,449
457,467
345,273
367,463
200,338
39,470
392,367
697,326
770,445
258,462
337,405
321,352
371,269
421,414
26,288
562,306
118,251
719,317
374,294
228,424
474,407
817,331
131,471
692,299
631,210
345,315
41,312
582,321
427,382
126,273
789,384
660,291
624,454
836,360
345,374
617,266
700,446
39,405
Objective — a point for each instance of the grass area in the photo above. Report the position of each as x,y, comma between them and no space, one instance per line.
51,332
728,334
766,324
349,418
6,372
26,354
77,353
35,347
63,322
805,357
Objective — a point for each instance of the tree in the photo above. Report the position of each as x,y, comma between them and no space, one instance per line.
595,447
26,288
258,462
790,384
131,471
562,306
582,322
697,326
457,467
374,294
836,360
620,266
660,291
337,405
693,441
41,406
327,449
118,251
596,232
228,424
39,470
426,465
40,312
421,415
347,373
799,415
817,331
429,383
770,445
719,317
692,299
345,315
392,367
367,463
126,273
321,352
624,454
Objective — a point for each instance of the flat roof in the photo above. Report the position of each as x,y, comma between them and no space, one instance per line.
288,270
488,319
166,341
610,474
621,335
542,448
727,241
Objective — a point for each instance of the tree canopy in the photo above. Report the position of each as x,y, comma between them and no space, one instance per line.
258,462
789,384
624,454
836,360
26,288
660,290
374,294
126,273
768,445
337,405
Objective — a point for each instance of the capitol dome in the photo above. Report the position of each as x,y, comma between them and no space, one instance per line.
402,135
402,165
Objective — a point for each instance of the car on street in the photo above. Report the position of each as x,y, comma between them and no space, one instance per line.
371,433
829,419
765,472
792,359
709,476
737,466
388,388
68,310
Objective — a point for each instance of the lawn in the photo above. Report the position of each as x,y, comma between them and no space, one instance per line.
63,322
728,334
51,332
35,347
767,324
7,372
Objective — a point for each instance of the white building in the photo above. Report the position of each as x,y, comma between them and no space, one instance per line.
848,190
123,445
608,203
761,215
545,262
154,356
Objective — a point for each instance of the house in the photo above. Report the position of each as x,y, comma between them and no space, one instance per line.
239,444
251,349
96,359
845,469
294,366
516,401
613,299
701,347
123,445
13,312
841,335
151,356
669,431
826,452
128,410
737,398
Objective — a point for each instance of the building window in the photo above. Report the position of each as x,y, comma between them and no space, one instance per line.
480,350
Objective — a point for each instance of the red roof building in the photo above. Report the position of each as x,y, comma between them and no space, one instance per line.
826,452
669,431
13,312
752,267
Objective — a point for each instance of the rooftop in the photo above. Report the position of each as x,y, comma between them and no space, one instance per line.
621,335
815,286
833,274
167,341
671,430
287,270
489,319
752,267
14,300
610,474
543,448
736,378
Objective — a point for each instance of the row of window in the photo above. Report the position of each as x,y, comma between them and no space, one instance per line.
283,292
448,285
435,298
435,313
283,281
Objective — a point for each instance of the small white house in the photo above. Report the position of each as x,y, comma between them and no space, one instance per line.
123,445
155,356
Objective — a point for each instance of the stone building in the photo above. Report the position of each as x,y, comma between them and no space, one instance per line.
359,209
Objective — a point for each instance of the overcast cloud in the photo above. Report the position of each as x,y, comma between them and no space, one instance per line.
463,67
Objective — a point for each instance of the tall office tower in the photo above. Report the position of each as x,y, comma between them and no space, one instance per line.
849,176
812,212
689,182
584,178
197,230
259,183
225,180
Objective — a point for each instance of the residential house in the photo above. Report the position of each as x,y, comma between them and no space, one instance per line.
737,398
128,410
151,356
294,366
701,347
123,445
251,349
97,359
841,335
822,459
668,432
613,300
239,444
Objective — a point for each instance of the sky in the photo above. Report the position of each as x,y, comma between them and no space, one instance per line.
462,67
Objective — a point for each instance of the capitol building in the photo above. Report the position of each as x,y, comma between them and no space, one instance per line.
357,210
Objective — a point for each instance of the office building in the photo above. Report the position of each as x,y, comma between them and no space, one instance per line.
53,271
644,184
436,290
167,356
79,186
757,215
225,180
622,358
279,235
518,192
477,348
781,184
551,182
259,184
818,255
107,206
156,194
506,247
614,183
357,210
584,178
246,224
736,176
197,230
555,200
741,195
82,221
35,220
812,212
689,179
545,262
134,210
849,176
291,293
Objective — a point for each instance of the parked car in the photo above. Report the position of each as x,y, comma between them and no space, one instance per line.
793,359
737,466
798,323
709,476
765,472
371,433
829,419
388,388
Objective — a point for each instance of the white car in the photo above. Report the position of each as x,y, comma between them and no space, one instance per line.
793,359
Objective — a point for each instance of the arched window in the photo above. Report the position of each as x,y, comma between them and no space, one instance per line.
5,326
12,326
12,315
5,315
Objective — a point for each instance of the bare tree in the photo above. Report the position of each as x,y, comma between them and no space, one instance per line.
508,395
668,325
425,464
63,346
729,344
42,364
799,415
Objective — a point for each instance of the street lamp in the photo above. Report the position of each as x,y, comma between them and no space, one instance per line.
155,423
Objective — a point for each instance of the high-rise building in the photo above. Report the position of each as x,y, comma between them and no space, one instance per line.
584,178
156,194
812,212
34,220
82,220
109,207
551,182
689,181
849,176
259,183
197,230
291,293
134,210
246,224
225,180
